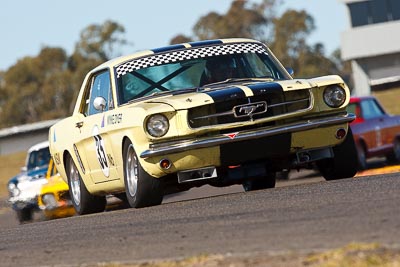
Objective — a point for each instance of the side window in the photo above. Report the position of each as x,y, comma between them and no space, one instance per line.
38,158
101,87
85,102
370,109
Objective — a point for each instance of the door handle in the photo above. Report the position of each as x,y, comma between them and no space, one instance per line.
79,124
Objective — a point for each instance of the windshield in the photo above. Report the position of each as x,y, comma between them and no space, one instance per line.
194,68
38,158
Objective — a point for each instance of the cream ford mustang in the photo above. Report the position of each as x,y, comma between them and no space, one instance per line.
218,112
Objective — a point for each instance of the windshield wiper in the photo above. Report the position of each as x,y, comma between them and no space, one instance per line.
169,92
176,92
233,80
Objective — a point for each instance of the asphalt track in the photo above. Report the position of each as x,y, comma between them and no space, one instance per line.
302,215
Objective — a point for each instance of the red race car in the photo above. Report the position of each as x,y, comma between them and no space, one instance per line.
376,133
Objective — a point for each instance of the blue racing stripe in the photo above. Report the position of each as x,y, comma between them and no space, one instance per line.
226,94
206,42
168,48
267,87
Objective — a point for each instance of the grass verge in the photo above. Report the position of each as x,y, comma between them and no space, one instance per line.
356,255
10,165
352,255
389,99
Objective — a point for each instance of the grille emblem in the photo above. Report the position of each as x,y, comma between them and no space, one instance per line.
249,110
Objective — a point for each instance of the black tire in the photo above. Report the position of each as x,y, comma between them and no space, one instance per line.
344,164
283,175
83,201
142,190
362,157
260,183
394,156
24,215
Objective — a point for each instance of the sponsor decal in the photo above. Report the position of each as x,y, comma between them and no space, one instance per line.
114,118
110,159
57,158
102,122
101,151
198,50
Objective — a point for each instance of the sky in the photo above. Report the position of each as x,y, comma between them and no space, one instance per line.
28,26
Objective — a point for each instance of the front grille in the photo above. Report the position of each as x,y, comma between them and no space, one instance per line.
263,104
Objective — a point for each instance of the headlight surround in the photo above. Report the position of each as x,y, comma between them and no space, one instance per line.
334,96
157,125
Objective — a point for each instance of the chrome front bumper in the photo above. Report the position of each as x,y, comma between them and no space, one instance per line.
181,146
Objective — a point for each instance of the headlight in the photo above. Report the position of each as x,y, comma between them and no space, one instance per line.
334,96
49,201
13,189
157,125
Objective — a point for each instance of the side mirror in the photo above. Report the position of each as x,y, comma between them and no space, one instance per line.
99,103
290,71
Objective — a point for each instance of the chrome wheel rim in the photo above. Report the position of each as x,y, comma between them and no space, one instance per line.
75,184
131,170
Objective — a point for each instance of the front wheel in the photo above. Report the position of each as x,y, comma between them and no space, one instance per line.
142,190
24,215
83,201
344,164
362,158
394,156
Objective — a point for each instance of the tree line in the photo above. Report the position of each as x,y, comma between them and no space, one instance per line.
45,86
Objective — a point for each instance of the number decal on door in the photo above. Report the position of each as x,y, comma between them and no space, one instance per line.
101,155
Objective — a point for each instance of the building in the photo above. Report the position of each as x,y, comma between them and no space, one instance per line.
373,44
22,137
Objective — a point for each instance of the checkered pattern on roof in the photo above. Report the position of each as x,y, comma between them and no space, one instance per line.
180,55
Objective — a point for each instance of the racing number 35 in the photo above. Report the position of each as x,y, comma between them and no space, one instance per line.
102,155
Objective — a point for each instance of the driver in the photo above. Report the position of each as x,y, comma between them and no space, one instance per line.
219,69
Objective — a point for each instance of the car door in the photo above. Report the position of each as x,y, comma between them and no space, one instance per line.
389,129
94,139
375,119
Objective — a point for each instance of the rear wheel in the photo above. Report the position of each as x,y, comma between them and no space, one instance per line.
362,158
344,164
260,183
142,190
84,202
